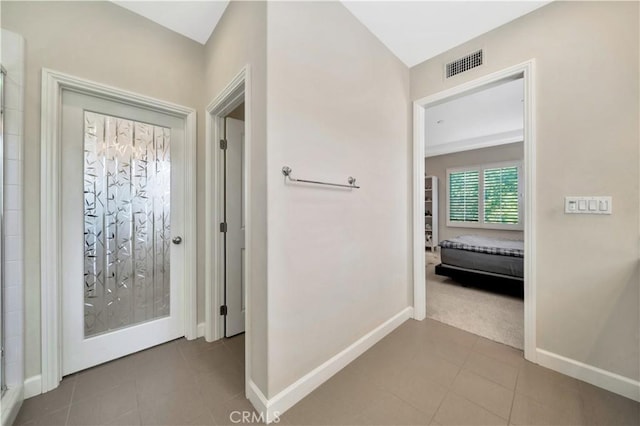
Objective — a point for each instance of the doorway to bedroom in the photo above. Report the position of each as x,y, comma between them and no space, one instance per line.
474,150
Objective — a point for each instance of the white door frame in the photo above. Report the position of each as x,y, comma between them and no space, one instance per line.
527,69
53,83
238,89
228,99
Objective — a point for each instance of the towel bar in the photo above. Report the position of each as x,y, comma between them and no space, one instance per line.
286,171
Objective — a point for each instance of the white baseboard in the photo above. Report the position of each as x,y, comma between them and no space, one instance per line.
200,330
288,397
261,404
11,403
612,382
32,386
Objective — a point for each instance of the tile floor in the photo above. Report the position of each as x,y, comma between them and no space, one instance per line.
423,373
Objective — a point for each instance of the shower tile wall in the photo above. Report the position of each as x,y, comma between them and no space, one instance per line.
13,61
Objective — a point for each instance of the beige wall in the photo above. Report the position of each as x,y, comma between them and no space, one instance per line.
338,105
102,42
587,144
237,113
438,165
238,40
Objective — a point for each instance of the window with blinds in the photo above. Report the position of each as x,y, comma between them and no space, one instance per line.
501,195
485,196
464,187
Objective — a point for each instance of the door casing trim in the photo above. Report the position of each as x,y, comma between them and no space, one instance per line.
527,70
229,98
53,84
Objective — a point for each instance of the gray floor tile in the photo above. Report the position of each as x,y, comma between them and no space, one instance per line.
236,346
504,353
605,408
220,385
528,411
155,382
391,410
449,350
103,378
420,392
42,405
347,395
456,410
444,332
180,407
433,368
493,369
422,373
220,356
104,408
54,418
484,392
233,410
130,418
192,347
552,389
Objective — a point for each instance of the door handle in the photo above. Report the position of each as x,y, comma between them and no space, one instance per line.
177,240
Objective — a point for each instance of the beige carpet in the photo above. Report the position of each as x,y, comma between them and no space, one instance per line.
495,316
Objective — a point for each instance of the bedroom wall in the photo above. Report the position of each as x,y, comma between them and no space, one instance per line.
587,132
102,42
438,165
238,40
338,259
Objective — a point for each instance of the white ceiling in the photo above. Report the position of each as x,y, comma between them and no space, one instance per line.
489,117
418,30
413,30
193,19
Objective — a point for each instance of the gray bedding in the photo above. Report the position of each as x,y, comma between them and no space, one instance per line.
489,245
497,264
494,255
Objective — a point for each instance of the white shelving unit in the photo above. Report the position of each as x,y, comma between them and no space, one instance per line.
431,212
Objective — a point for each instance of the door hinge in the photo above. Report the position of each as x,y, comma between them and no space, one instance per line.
223,144
223,310
223,227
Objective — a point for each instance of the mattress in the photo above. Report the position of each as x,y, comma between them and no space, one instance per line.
483,262
484,254
488,245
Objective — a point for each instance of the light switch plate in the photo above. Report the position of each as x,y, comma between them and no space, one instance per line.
588,205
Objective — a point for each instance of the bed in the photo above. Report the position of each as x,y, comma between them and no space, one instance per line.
482,256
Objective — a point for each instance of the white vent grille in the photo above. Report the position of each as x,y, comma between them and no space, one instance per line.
458,66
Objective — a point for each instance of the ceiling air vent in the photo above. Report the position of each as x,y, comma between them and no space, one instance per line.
463,64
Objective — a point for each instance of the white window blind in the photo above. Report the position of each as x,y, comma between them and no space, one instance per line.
501,195
464,187
485,196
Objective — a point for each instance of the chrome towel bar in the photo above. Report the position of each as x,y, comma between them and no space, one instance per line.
286,171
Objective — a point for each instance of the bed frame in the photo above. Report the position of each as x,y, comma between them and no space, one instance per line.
505,283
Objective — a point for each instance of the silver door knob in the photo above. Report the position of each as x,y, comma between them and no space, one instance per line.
177,240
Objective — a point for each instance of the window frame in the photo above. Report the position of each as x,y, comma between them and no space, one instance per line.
481,213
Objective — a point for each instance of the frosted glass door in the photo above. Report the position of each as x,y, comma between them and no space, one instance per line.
122,197
127,232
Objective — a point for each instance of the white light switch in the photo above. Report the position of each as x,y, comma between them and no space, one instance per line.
587,205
